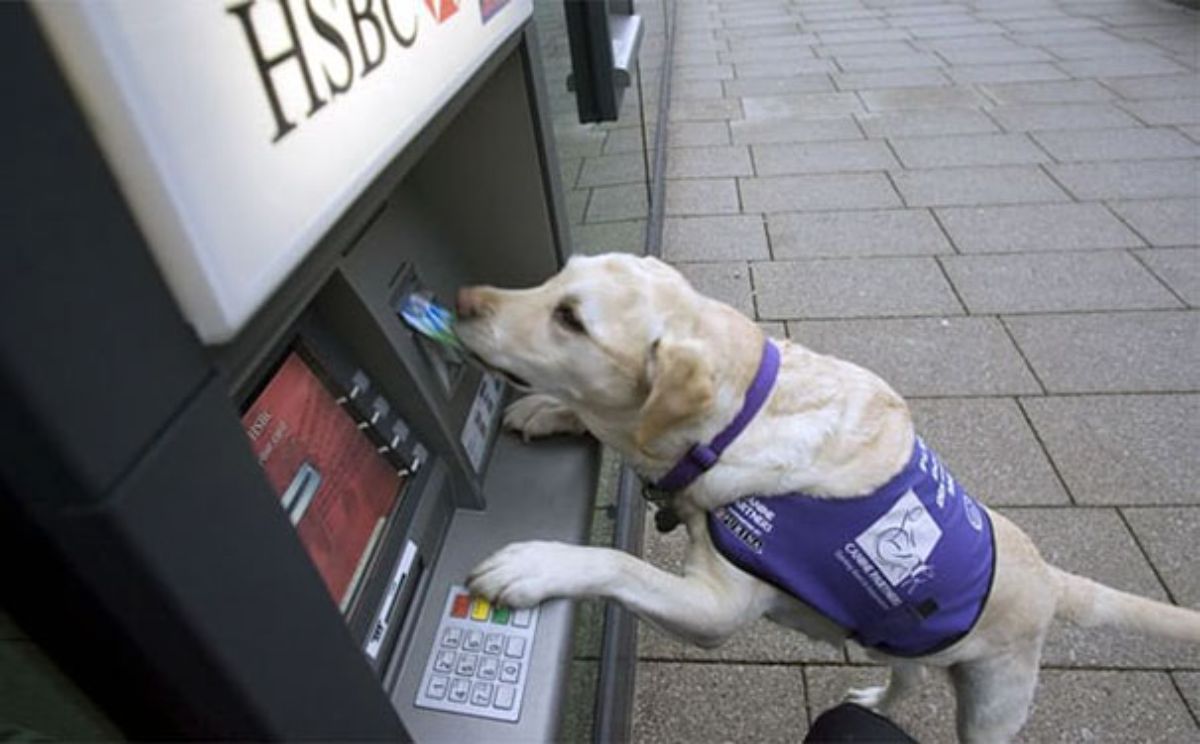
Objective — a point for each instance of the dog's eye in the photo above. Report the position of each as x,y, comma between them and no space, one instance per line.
565,316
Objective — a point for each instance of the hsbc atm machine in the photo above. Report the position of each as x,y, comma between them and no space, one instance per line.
242,494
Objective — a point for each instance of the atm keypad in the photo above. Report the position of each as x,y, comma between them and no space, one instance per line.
480,660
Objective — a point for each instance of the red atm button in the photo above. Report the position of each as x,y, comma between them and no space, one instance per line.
462,603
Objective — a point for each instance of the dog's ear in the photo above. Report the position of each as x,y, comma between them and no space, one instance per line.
681,388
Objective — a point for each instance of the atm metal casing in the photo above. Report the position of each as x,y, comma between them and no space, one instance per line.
144,549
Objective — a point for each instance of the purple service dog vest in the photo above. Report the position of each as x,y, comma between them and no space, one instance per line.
905,570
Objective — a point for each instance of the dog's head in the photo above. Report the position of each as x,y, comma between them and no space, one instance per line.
624,340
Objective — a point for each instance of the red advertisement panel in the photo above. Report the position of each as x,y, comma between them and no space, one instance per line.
330,479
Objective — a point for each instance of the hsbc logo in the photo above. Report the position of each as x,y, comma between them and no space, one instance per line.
441,9
356,37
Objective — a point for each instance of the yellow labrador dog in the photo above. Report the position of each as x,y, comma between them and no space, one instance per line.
623,347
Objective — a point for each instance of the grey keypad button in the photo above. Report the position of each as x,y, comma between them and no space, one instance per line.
474,640
510,671
489,668
481,694
444,662
460,689
452,637
505,696
437,687
515,648
521,618
466,665
494,644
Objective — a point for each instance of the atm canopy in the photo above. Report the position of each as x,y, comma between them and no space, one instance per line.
241,131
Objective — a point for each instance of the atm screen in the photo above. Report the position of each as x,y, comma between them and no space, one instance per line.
331,480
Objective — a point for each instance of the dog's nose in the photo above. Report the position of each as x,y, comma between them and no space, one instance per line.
469,303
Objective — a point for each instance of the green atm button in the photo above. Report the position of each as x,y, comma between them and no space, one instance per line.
500,615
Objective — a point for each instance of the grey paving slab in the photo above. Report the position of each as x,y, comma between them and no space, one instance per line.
926,356
725,238
883,79
1163,222
1038,227
783,69
706,109
1105,706
970,186
1189,686
1168,535
1164,112
1050,24
606,237
822,157
777,86
966,150
1127,449
1191,130
708,162
920,97
852,288
624,140
956,30
609,170
967,42
686,73
1070,706
701,196
696,89
615,203
997,56
820,192
1118,352
923,123
727,281
1067,91
1122,66
1020,118
787,129
857,37
1055,282
1117,144
857,233
752,55
869,48
1096,543
1156,86
1178,268
1130,179
988,445
697,133
905,61
1109,50
801,105
1068,36
740,703
578,202
1011,73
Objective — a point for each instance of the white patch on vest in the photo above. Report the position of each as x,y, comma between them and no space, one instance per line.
900,541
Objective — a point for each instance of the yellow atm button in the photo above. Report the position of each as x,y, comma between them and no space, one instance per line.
480,609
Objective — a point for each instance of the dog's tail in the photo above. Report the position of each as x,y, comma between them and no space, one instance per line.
1091,604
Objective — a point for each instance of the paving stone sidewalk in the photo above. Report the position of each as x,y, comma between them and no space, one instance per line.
996,206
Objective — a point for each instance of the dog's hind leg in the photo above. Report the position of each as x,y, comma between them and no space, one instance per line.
904,678
995,694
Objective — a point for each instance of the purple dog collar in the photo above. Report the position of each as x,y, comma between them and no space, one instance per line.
701,457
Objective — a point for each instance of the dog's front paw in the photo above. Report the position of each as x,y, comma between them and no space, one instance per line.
867,697
525,574
540,415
